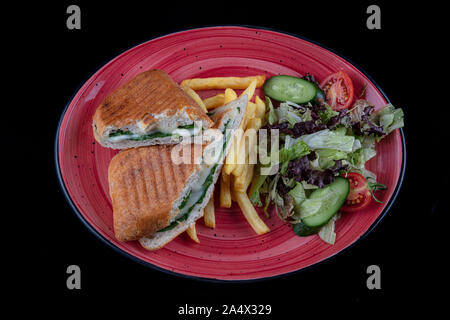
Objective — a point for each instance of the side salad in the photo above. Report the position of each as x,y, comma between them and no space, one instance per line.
325,134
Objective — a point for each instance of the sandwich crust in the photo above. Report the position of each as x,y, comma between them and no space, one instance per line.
150,94
143,184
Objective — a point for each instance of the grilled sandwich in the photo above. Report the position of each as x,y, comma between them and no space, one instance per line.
149,109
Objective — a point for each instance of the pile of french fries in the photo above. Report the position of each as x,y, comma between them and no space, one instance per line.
238,169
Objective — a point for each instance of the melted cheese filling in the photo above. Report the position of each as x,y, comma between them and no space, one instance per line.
157,133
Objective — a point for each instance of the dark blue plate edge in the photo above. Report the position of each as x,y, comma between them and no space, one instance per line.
154,267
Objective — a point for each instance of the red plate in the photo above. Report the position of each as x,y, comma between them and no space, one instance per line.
232,251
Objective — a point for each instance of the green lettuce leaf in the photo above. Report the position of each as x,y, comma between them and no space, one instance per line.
327,232
286,113
295,151
299,195
327,139
327,114
271,116
257,183
326,157
390,118
359,157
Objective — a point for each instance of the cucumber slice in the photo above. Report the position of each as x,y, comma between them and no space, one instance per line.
331,197
289,88
320,94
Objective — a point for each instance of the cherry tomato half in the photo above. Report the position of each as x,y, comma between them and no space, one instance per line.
359,196
338,89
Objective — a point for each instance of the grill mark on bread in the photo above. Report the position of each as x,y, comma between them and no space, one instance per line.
122,111
145,116
180,173
141,90
143,195
161,176
139,99
154,165
148,91
109,113
167,170
151,178
132,194
113,112
177,175
144,165
131,223
134,187
167,100
134,88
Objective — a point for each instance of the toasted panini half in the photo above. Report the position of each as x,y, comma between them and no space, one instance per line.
156,198
149,109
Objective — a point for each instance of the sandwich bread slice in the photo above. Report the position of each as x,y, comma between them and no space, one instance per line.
149,109
155,199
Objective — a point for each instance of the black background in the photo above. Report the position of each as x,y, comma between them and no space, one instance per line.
402,58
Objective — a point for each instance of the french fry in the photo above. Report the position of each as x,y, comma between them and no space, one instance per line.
214,101
250,90
250,213
247,145
240,157
230,160
254,123
192,233
242,182
249,114
225,191
228,167
260,108
236,156
230,95
223,82
232,197
251,152
232,178
208,217
196,97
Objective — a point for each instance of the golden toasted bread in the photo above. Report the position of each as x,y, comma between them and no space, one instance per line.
143,185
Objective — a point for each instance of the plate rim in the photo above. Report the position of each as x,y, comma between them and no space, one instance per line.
216,280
